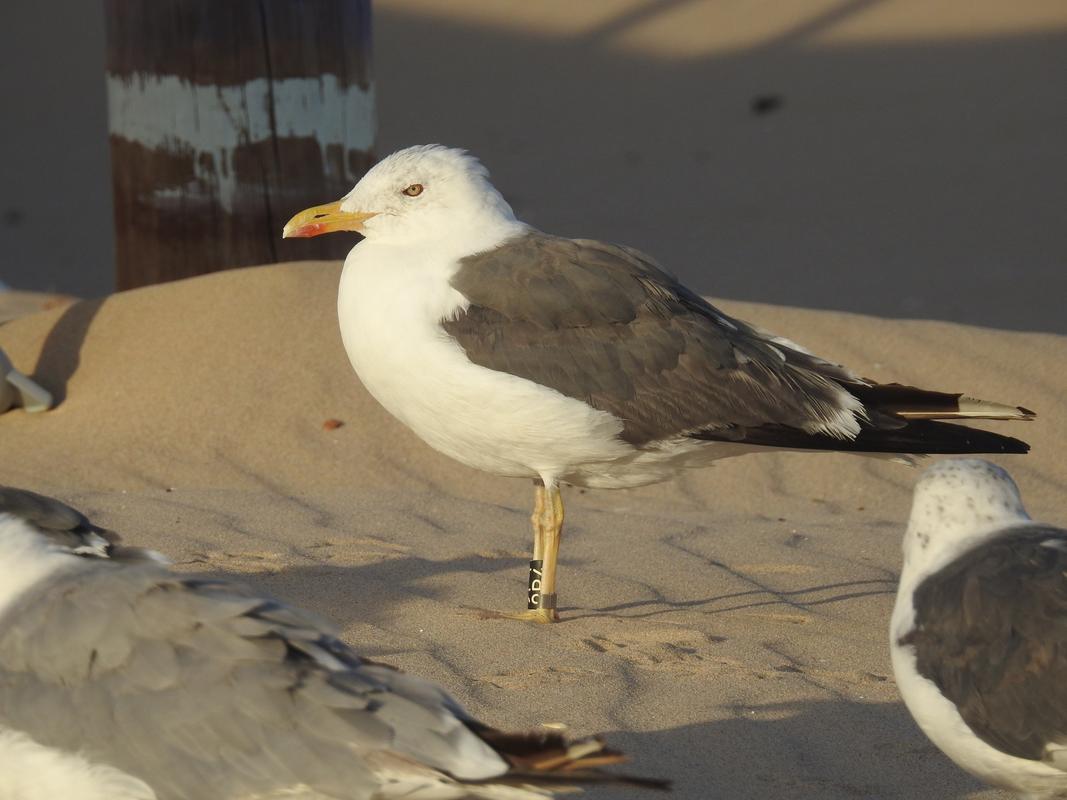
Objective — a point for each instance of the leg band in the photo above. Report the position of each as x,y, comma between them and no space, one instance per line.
534,598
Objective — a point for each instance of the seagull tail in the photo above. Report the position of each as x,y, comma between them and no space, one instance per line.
910,402
547,759
906,419
901,420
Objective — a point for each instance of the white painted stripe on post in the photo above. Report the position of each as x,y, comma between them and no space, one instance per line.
169,112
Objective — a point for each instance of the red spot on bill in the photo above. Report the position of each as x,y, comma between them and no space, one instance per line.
309,230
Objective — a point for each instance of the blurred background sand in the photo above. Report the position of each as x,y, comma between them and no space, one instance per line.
908,160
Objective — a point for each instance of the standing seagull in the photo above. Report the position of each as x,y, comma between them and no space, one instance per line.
122,681
979,631
575,361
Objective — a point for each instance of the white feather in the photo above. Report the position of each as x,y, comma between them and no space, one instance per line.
27,558
30,771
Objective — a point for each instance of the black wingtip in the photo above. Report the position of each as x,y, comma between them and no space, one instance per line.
929,437
962,439
1017,447
916,437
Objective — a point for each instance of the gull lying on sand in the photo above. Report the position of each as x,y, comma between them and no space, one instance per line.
579,362
120,680
979,632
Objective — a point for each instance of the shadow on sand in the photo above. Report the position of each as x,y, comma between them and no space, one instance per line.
365,593
824,750
61,351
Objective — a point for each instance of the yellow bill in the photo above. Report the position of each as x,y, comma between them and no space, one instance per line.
325,219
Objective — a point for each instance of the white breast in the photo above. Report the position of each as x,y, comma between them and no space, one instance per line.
390,306
30,771
27,559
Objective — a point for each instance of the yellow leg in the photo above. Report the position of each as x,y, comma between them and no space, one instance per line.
552,530
547,522
535,521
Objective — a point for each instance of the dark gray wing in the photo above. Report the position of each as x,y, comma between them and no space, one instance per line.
991,633
55,520
43,512
188,683
604,324
67,527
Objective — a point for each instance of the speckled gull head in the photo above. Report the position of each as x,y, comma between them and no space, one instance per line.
957,503
423,192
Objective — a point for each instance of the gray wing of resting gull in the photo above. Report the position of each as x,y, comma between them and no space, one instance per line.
606,325
205,689
991,633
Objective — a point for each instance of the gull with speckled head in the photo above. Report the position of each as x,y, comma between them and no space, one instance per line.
979,631
573,361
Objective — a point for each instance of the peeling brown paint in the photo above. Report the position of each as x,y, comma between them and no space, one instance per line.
200,188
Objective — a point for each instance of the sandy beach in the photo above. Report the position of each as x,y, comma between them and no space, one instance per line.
727,628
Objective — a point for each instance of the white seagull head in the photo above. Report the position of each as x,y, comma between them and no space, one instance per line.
39,534
957,502
31,551
420,193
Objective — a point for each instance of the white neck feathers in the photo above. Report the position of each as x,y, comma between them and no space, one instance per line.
25,558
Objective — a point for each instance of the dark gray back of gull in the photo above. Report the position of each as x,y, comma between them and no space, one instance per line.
606,325
991,633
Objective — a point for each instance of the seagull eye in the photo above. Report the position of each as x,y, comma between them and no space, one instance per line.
414,190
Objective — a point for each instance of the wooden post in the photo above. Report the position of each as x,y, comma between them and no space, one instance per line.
227,117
